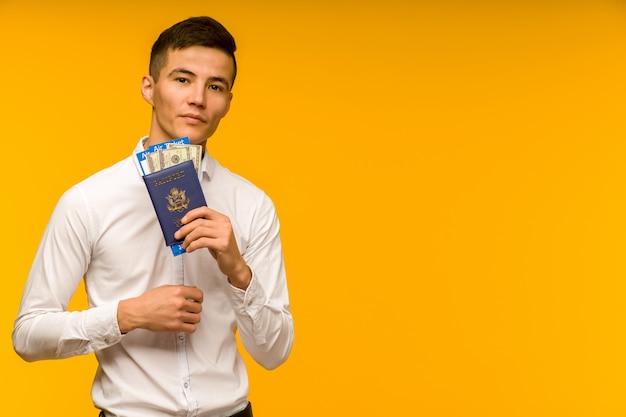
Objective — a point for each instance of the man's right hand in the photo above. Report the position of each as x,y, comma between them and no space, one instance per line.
169,308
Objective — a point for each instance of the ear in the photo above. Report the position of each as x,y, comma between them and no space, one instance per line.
147,88
227,108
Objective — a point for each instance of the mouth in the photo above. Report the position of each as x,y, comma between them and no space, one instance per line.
193,118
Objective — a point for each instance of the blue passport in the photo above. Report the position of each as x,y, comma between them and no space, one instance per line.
174,191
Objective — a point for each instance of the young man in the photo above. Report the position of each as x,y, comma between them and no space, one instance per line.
162,326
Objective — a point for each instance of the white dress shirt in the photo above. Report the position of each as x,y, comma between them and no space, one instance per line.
105,230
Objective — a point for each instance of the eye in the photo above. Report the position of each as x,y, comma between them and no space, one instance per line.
181,80
216,87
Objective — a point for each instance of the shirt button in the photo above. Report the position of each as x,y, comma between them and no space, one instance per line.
186,385
106,341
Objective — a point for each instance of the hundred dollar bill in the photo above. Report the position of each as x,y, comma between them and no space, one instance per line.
154,161
142,157
173,156
195,154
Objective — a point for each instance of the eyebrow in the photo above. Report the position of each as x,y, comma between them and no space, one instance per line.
182,71
192,74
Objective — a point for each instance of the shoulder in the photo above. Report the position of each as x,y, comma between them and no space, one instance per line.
101,188
112,181
118,171
238,198
223,178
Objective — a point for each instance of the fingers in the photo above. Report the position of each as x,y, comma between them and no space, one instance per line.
199,217
200,213
188,311
171,308
207,228
188,293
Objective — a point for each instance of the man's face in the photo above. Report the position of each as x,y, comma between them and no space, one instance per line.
191,96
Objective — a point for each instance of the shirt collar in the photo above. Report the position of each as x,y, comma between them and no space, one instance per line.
207,166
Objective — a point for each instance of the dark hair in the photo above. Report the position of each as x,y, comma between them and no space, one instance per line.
194,31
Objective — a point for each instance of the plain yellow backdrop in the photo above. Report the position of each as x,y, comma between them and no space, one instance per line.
449,177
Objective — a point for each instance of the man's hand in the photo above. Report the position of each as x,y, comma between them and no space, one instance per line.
169,308
206,228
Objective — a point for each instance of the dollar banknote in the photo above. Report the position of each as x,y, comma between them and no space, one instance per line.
173,155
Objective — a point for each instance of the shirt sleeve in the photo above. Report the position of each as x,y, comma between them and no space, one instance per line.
44,328
263,312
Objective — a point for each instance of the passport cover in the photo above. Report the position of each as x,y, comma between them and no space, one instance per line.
174,191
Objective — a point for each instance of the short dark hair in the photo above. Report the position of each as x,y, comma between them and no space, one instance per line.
194,31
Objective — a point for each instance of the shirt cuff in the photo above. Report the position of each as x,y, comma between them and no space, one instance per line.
250,302
100,326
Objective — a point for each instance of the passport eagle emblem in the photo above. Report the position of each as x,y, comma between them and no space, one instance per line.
177,201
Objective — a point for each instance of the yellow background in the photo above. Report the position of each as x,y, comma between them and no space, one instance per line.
449,175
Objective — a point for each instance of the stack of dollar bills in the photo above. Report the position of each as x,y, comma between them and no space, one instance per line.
167,154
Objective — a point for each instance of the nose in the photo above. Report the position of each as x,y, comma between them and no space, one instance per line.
197,96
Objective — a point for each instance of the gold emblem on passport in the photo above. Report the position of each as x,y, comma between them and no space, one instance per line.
177,200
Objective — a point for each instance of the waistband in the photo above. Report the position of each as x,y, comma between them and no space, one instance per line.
246,412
